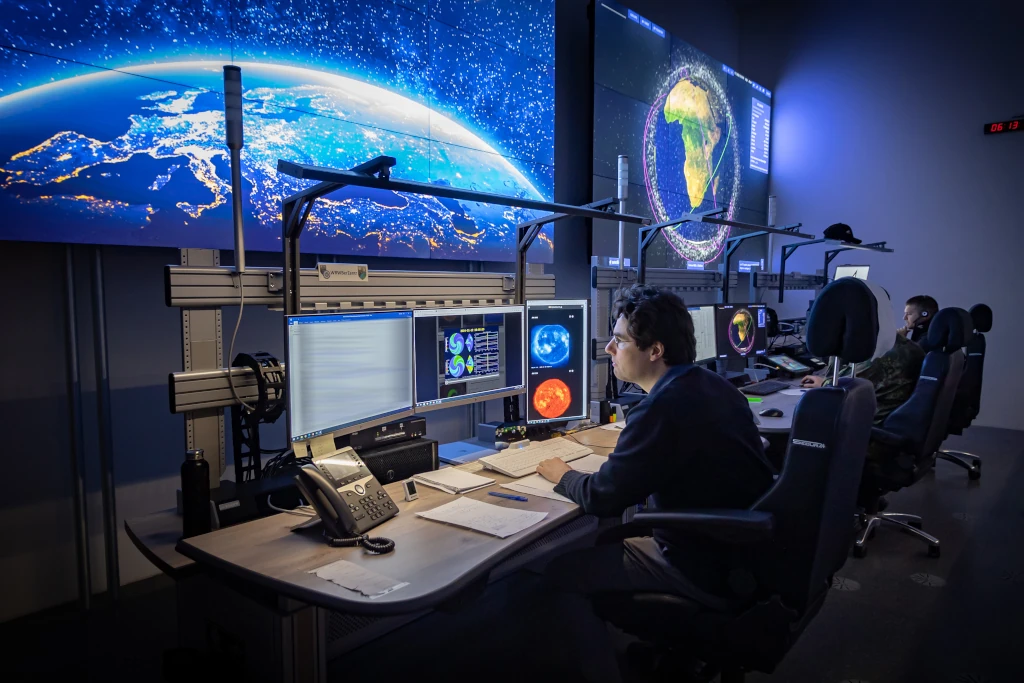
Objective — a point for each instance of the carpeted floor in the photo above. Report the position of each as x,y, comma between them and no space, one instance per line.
895,616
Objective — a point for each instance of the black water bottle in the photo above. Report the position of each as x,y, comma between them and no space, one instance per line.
195,494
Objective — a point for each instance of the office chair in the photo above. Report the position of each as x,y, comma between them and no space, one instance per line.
787,546
967,401
903,448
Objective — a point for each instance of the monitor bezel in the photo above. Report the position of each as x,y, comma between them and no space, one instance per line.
835,275
731,354
348,428
584,304
477,398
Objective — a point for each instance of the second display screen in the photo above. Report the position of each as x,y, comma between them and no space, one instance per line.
557,360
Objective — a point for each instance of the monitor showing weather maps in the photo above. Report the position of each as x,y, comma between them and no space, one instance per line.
113,120
557,361
465,355
742,330
695,131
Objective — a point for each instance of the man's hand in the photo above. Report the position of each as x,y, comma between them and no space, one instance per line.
812,381
903,331
553,469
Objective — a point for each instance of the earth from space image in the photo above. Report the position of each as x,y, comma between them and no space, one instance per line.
154,133
691,159
550,345
741,331
552,398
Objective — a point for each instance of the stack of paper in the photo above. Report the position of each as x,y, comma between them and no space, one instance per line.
490,519
536,485
614,425
452,480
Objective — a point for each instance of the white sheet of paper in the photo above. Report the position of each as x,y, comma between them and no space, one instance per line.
453,480
614,425
535,485
490,519
793,392
474,466
588,463
359,579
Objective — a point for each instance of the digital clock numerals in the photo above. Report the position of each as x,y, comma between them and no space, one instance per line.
1004,126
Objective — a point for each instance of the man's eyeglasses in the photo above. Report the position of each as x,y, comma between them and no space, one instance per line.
620,343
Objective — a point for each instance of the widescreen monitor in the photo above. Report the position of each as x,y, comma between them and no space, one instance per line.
697,135
557,384
742,330
465,355
348,371
859,272
704,332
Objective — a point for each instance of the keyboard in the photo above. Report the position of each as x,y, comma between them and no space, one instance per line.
520,462
769,386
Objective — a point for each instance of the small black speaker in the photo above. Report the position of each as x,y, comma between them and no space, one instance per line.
398,461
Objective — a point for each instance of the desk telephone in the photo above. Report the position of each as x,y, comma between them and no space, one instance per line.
348,498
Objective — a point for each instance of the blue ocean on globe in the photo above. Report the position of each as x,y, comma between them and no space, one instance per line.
112,158
550,345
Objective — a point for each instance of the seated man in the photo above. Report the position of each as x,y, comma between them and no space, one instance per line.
690,443
893,370
918,314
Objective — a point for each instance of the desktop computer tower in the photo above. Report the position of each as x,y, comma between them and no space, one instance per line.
398,461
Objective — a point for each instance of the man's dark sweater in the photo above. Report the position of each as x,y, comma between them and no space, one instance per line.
691,443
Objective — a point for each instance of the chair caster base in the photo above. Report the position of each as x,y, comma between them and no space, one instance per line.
974,474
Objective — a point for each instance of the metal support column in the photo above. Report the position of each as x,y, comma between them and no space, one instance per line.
106,440
77,440
203,349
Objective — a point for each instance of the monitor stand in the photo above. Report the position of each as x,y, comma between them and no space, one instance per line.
731,369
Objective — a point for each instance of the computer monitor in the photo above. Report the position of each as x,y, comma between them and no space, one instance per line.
704,331
742,330
860,272
557,382
348,371
466,355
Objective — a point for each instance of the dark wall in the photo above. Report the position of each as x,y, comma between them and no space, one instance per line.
878,123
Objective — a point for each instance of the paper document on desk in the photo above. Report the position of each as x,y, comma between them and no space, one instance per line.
452,480
535,485
589,463
614,425
490,519
358,579
793,392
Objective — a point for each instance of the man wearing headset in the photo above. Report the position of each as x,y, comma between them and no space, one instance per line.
917,315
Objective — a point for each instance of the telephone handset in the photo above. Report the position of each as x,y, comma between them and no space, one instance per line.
348,498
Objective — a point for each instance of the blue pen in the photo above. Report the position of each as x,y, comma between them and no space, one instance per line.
505,495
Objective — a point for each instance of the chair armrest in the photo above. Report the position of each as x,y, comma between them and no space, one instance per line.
892,439
726,526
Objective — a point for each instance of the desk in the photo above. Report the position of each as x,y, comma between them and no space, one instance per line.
438,560
785,403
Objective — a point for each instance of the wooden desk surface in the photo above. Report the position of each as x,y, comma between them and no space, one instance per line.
785,403
437,560
156,536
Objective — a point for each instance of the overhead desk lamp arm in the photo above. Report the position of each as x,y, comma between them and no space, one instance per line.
788,249
733,243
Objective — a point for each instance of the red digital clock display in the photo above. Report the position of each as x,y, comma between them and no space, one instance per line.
1004,126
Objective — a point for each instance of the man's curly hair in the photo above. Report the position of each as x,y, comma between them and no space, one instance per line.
656,315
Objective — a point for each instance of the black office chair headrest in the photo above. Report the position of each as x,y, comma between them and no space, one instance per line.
950,329
844,321
982,317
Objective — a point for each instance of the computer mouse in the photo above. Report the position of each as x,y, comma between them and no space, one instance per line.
771,412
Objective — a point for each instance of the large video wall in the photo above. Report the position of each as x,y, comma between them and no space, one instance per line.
113,123
697,133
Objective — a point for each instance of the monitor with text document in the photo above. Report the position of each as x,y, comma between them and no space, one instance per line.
348,371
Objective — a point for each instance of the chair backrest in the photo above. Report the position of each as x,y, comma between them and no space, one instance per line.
924,417
968,395
815,496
